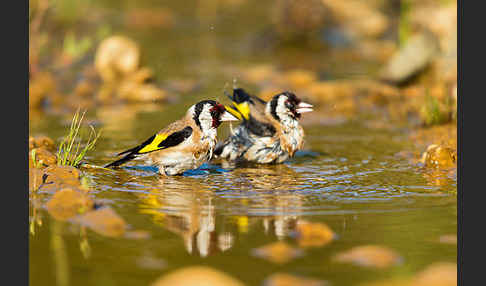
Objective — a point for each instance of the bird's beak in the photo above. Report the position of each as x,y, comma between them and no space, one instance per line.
233,112
226,116
243,108
304,107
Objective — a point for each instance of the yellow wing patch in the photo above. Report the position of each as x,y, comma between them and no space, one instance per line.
154,145
234,112
243,108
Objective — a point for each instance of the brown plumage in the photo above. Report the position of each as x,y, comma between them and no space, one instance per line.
184,144
270,132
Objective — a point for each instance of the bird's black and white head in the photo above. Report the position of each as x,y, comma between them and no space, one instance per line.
286,106
208,114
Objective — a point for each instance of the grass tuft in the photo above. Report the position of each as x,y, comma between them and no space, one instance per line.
70,153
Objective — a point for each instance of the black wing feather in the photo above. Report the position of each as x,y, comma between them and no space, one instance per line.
172,140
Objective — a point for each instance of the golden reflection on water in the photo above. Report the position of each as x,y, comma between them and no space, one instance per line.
439,177
60,257
185,206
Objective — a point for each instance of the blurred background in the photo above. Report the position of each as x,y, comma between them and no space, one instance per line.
345,56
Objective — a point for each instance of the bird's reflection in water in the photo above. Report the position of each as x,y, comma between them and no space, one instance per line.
186,206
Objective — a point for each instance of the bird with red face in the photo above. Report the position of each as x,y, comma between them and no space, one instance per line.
270,131
184,144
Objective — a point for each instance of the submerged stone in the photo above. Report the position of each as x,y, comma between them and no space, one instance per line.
436,274
104,221
284,279
277,252
197,276
372,256
68,203
313,234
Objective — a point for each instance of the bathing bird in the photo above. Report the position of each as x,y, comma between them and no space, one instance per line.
270,131
184,144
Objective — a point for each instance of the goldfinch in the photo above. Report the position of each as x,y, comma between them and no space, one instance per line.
270,131
184,144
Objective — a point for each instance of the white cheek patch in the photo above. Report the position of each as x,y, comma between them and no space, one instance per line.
281,109
205,117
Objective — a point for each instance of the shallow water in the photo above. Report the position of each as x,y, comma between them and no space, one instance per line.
348,176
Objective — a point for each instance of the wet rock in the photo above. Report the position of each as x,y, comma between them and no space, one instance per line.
58,177
197,276
372,256
284,279
104,221
65,174
418,53
313,234
277,252
68,203
41,142
438,156
40,157
116,57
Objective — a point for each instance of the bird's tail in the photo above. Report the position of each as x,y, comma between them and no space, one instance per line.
130,155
